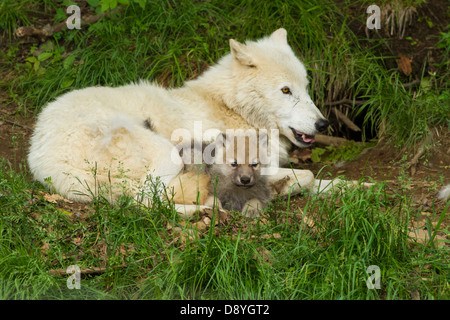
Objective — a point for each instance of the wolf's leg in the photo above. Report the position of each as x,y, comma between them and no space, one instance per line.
293,181
212,201
286,181
323,186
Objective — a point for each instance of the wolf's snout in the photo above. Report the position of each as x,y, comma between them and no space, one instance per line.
321,125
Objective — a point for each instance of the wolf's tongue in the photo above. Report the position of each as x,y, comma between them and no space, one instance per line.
305,137
308,138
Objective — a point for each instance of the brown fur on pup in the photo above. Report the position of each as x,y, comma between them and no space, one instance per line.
233,179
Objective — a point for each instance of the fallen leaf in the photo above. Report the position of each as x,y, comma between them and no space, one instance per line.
294,160
305,155
264,254
45,247
224,215
207,221
200,225
300,154
404,63
77,241
190,234
268,235
422,236
53,198
415,295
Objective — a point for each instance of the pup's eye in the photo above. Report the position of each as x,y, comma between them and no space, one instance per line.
233,164
255,164
286,90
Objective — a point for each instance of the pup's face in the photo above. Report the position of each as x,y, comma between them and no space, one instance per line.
244,175
241,162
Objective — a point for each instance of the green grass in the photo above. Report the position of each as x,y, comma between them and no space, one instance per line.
11,12
139,256
174,43
280,257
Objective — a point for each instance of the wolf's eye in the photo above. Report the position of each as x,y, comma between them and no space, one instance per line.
233,164
286,90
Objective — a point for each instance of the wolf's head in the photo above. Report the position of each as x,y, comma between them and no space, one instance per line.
271,89
237,158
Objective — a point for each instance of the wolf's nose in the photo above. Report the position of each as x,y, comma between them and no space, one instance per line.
321,124
245,180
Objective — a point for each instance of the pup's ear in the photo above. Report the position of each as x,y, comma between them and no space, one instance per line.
279,35
241,54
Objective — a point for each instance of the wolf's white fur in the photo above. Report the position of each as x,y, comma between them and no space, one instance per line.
444,193
97,135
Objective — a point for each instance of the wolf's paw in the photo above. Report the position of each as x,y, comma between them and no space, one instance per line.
252,208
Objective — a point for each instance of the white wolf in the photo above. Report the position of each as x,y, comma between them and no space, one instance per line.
120,136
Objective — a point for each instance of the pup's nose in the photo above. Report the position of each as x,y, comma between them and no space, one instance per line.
321,124
245,180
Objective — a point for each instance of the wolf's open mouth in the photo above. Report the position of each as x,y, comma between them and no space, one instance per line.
303,137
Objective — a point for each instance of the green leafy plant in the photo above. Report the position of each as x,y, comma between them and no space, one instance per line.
347,152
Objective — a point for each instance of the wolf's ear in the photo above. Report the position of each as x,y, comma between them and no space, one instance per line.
279,35
224,140
263,137
240,53
221,140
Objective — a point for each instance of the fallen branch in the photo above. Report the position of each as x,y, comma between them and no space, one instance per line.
410,84
344,101
13,123
48,30
420,151
93,270
100,270
349,123
331,141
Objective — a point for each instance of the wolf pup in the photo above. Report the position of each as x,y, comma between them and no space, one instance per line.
232,178
237,180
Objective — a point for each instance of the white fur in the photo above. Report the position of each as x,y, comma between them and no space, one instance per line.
96,135
444,193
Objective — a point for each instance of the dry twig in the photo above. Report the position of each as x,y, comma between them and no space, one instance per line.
329,140
48,30
344,101
349,123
